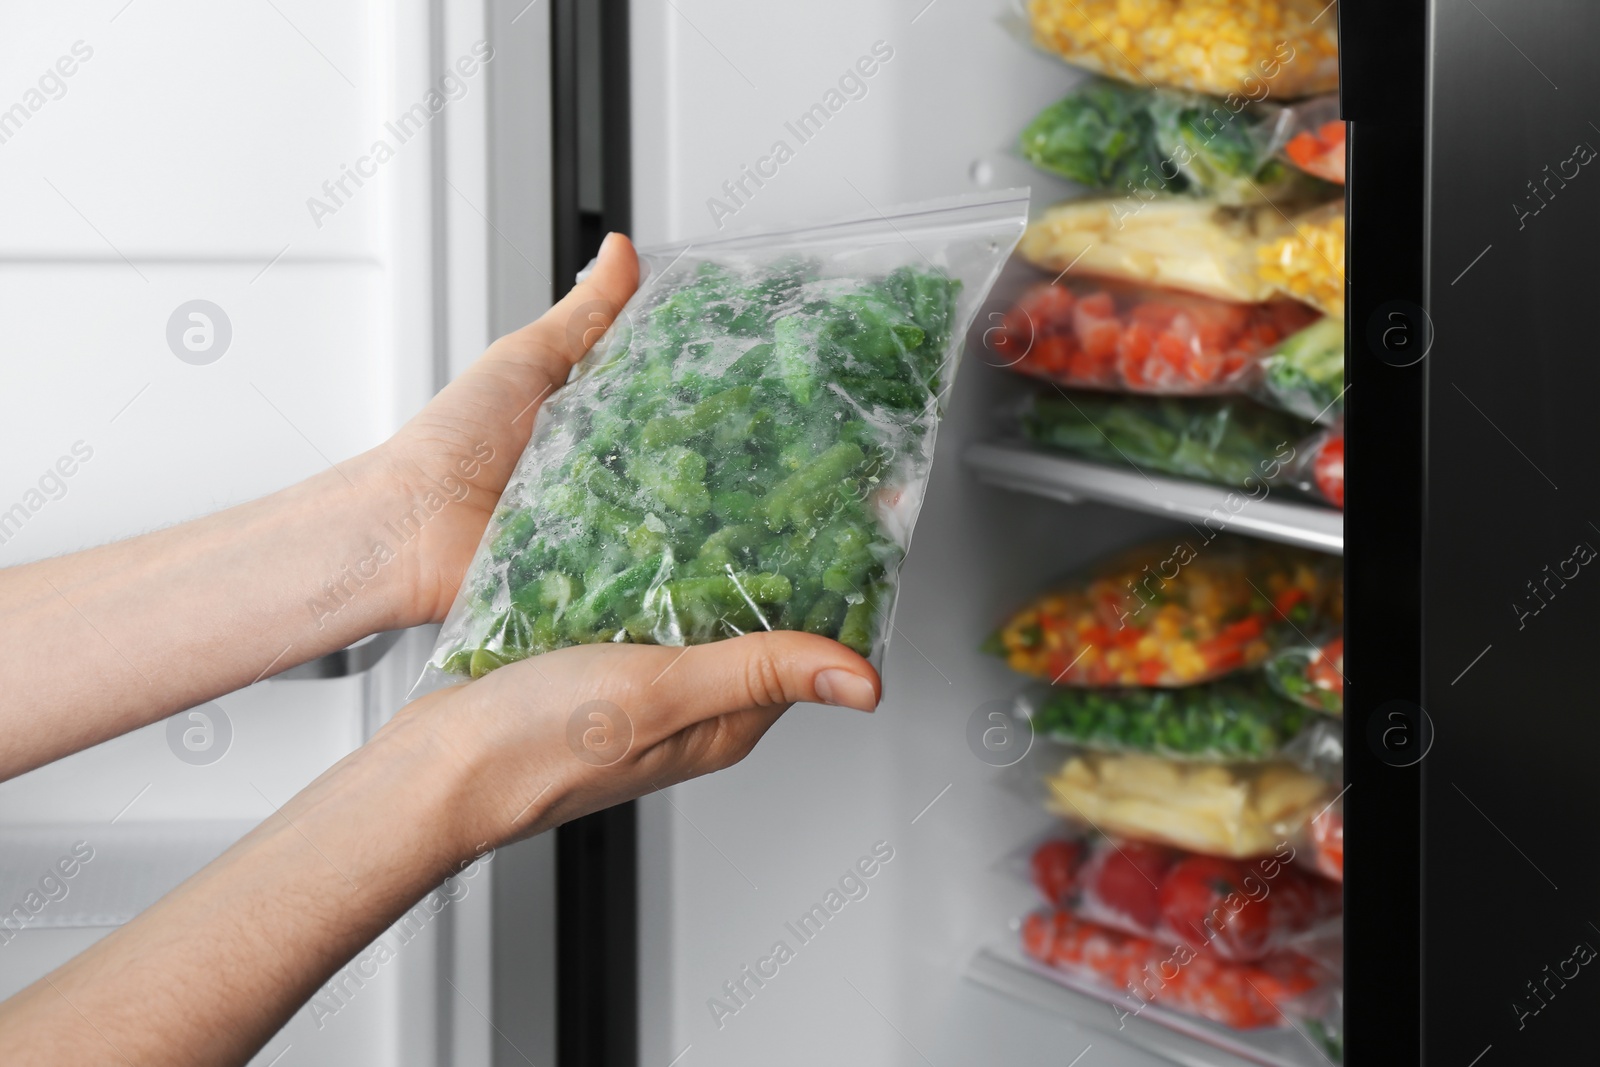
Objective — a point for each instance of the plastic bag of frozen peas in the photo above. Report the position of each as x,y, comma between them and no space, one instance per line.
744,449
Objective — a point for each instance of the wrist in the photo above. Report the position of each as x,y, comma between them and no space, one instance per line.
416,780
502,785
383,515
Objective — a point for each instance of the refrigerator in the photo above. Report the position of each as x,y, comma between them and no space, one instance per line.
638,935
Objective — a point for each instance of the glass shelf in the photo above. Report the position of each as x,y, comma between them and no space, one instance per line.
1025,469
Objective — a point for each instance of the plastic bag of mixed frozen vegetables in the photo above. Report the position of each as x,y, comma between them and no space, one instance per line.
1236,910
1244,49
1236,718
744,449
1311,672
1315,138
1318,467
1231,441
1169,242
1304,374
1241,810
1165,614
1307,262
1126,138
1108,335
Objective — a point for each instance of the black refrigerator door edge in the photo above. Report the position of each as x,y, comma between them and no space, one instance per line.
1383,71
597,940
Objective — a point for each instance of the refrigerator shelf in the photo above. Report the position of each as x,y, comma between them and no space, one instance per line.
1025,469
1181,1039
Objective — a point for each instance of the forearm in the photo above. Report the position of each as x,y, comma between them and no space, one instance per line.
211,972
101,642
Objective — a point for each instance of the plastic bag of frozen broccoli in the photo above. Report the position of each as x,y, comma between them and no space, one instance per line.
744,449
1106,134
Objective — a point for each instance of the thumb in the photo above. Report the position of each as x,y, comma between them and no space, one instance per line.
561,336
763,670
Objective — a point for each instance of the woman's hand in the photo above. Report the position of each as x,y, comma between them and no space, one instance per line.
463,446
545,740
239,947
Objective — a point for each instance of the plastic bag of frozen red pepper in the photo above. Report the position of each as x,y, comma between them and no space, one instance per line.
1100,335
1315,136
1327,839
1241,911
1318,466
1134,973
1310,672
1170,613
1241,943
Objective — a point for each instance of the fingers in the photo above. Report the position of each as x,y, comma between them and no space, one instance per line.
560,337
717,744
762,671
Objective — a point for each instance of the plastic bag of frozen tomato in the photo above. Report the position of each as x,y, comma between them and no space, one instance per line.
744,449
1168,614
1136,339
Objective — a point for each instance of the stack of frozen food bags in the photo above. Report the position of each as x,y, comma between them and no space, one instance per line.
1204,275
1188,321
1195,787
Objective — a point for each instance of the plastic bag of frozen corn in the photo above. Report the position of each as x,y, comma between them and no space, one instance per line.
1307,262
744,449
1241,49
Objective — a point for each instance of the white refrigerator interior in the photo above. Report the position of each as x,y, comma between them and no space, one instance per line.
201,306
730,864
